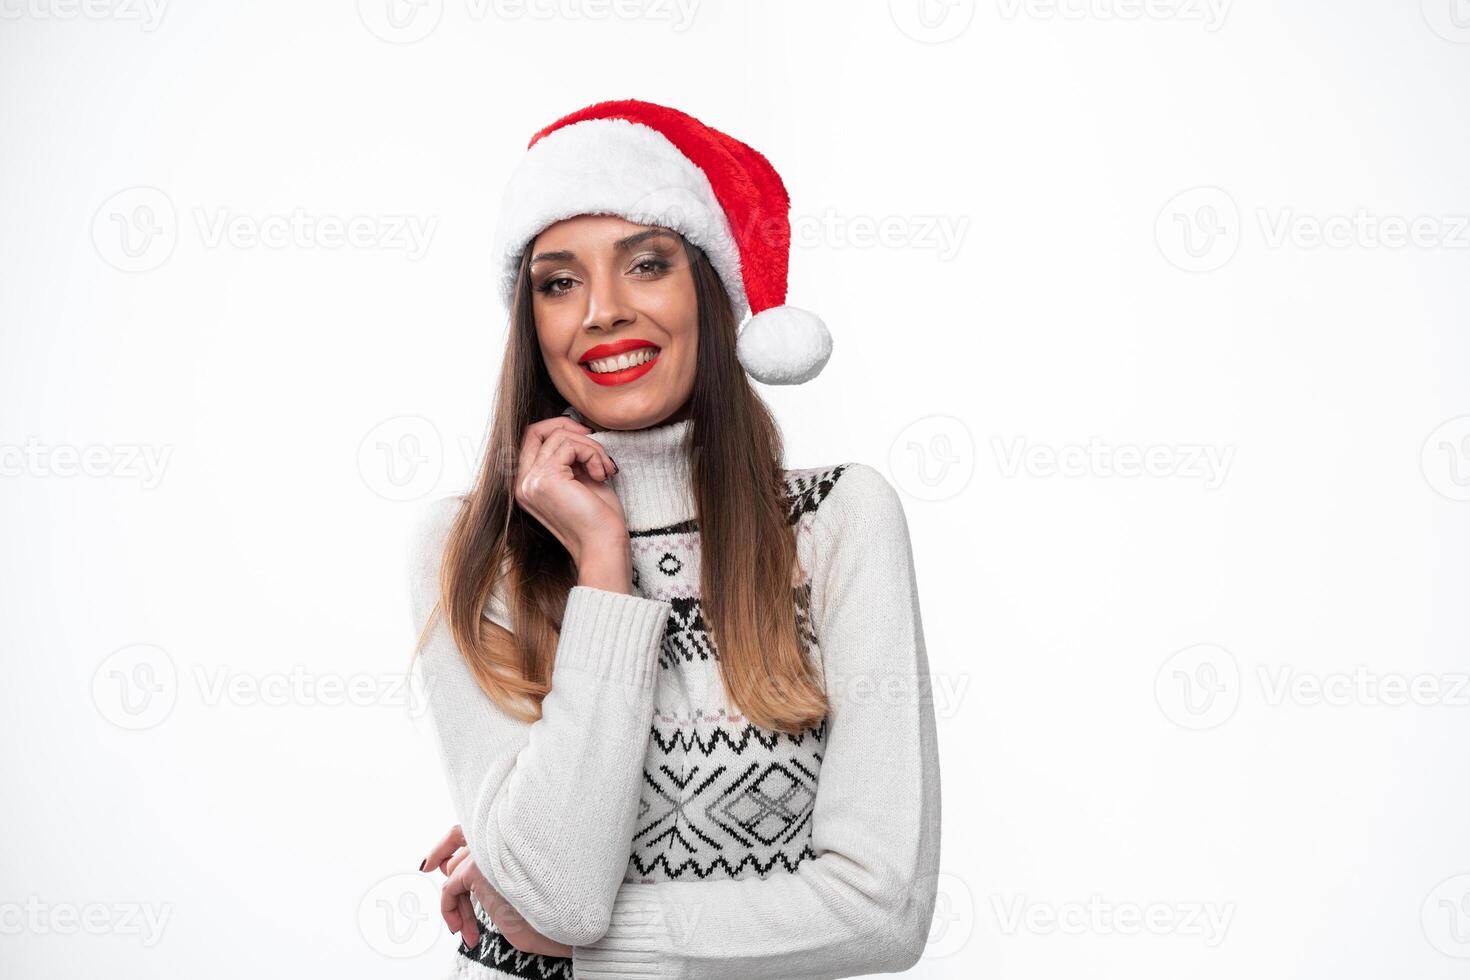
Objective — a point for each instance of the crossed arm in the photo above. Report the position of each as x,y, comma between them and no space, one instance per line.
547,807
862,905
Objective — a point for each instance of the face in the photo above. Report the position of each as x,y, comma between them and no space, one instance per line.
616,318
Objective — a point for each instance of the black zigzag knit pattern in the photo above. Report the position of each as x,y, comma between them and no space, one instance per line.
495,953
723,798
807,488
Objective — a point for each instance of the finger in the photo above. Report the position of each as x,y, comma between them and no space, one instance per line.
570,448
451,842
553,422
449,906
455,860
471,929
536,434
538,452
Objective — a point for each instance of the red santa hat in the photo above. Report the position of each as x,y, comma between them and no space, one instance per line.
658,166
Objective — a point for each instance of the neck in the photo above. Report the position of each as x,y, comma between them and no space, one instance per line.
653,481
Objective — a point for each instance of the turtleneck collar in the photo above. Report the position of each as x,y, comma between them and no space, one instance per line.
653,481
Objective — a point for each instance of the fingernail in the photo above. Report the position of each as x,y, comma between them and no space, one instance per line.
422,863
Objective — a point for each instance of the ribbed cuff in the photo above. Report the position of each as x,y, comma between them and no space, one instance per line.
629,948
612,634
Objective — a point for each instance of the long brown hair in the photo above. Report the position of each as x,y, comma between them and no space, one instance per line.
748,574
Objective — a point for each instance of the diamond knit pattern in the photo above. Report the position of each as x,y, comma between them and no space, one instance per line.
722,797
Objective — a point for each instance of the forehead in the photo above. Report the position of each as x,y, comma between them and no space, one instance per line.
586,231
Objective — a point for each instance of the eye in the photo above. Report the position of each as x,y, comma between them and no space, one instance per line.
650,266
549,286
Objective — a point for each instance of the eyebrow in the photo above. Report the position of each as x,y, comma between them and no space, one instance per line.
621,245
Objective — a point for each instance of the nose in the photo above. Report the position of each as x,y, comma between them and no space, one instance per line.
607,303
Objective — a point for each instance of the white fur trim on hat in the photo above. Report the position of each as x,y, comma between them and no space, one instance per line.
783,346
613,166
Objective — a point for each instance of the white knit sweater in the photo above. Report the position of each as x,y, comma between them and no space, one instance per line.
643,820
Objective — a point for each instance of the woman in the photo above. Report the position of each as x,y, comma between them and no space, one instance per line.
681,693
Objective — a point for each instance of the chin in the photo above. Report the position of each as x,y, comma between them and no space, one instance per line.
620,412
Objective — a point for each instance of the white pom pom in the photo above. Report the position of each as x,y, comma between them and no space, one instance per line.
783,345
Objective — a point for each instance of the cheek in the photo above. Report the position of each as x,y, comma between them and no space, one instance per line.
689,349
678,309
555,333
681,320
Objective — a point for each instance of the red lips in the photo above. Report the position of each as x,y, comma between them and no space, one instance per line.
612,349
616,347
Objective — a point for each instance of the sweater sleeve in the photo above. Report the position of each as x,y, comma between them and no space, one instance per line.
865,902
547,807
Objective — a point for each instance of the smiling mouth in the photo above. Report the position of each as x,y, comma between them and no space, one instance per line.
621,368
621,362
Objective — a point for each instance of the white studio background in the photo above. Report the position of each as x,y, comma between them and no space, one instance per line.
1155,311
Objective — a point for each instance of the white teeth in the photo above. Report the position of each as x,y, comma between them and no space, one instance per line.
623,361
